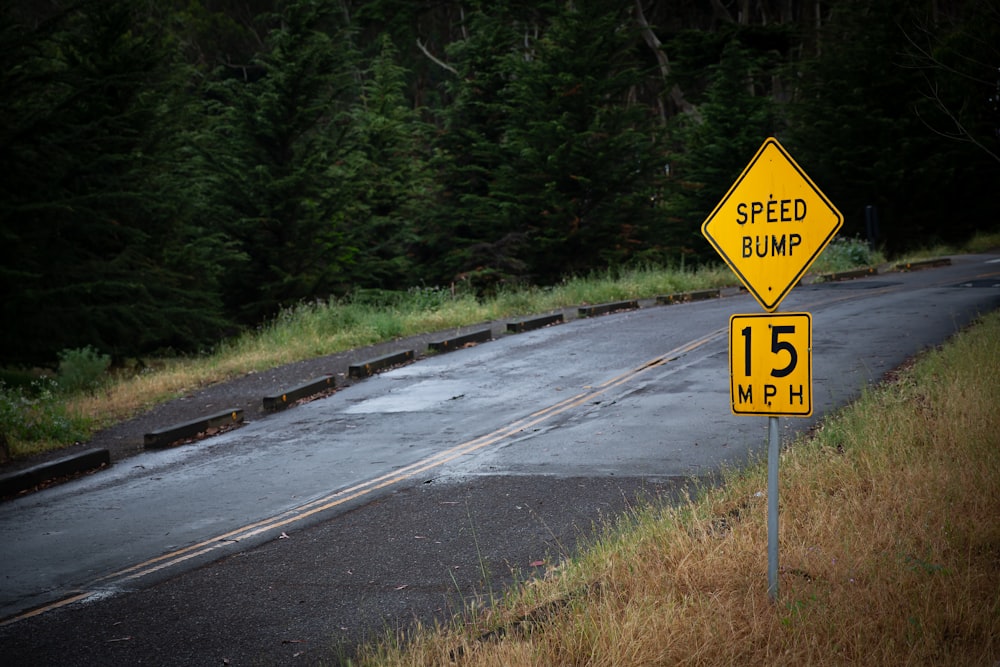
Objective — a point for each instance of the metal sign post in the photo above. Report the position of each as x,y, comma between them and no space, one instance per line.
773,450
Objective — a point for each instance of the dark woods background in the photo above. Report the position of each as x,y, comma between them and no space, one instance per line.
173,171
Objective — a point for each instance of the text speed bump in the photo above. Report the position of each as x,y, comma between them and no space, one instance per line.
772,224
770,364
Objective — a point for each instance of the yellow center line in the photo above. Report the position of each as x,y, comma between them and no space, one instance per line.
41,610
402,474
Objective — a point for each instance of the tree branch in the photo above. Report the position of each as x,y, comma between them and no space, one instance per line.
443,64
676,94
719,11
961,133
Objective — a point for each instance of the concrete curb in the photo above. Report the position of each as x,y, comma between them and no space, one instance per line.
165,437
22,480
449,344
847,275
520,326
605,308
13,483
370,367
286,398
686,297
924,264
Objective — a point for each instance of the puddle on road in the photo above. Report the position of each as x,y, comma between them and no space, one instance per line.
417,397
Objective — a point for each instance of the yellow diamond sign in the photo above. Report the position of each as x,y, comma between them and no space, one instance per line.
772,224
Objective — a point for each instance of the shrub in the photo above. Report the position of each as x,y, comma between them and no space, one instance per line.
34,416
82,369
846,253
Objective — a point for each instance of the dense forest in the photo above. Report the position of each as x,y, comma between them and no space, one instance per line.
174,171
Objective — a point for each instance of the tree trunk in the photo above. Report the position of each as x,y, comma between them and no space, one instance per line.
676,94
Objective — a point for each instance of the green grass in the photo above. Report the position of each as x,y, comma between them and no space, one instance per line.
35,419
889,546
315,329
980,242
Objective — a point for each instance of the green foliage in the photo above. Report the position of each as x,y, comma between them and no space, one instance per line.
845,253
174,171
861,126
578,163
712,148
286,151
463,237
88,196
36,415
394,184
82,369
547,168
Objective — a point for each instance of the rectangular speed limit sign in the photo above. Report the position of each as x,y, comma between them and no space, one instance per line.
770,364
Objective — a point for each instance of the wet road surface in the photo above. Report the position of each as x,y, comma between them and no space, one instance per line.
415,492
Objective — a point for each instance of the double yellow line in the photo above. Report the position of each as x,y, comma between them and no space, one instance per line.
357,491
347,495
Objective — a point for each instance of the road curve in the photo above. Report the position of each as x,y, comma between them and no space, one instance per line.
495,458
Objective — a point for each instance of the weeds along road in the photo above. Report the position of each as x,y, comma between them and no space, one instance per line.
428,488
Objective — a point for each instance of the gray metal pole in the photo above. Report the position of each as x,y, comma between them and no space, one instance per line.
772,507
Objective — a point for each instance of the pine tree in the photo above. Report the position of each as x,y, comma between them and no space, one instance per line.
393,182
90,239
579,161
547,169
285,152
461,236
712,147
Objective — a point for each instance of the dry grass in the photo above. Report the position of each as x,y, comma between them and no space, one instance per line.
316,329
889,551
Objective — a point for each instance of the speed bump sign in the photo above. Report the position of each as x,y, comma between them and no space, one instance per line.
772,224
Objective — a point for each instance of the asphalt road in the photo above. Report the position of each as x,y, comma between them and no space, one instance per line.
427,488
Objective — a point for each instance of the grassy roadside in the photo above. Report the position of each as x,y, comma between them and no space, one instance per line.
890,551
45,416
48,417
